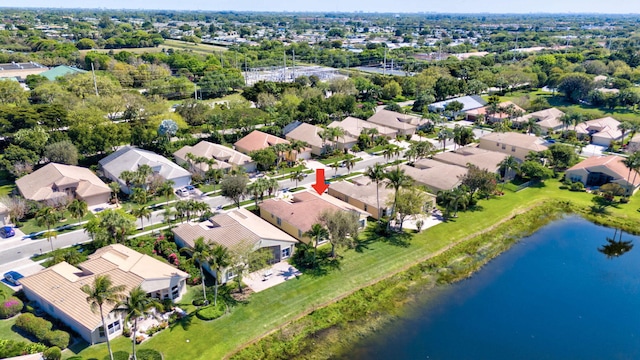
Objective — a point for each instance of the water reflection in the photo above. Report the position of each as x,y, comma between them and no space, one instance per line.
615,248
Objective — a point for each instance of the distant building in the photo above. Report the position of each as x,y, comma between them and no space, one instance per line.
470,102
489,117
354,127
547,119
404,124
61,71
258,140
602,131
223,156
21,70
311,135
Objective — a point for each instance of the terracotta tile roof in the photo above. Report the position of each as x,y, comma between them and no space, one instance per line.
60,284
305,208
394,120
434,174
231,229
365,193
547,118
612,162
43,184
307,133
354,126
257,140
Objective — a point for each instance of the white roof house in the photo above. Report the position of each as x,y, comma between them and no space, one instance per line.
468,103
130,158
602,131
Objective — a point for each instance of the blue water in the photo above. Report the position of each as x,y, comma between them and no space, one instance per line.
552,296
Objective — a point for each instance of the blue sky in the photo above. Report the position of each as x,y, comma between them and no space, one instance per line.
456,6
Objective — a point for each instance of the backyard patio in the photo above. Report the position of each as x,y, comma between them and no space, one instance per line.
271,276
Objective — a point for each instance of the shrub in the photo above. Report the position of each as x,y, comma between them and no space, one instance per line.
76,358
10,307
577,186
118,355
211,312
198,302
33,325
11,348
57,338
148,354
52,353
624,200
126,332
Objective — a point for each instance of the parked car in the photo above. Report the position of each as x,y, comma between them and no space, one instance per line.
190,188
13,277
7,232
182,192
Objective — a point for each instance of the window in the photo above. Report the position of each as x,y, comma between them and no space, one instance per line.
279,221
513,149
346,199
101,331
272,216
286,252
497,144
365,207
230,274
175,293
113,327
504,146
299,233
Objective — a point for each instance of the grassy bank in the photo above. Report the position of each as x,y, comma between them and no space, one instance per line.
333,329
376,259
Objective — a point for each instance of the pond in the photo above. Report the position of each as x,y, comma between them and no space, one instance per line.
571,290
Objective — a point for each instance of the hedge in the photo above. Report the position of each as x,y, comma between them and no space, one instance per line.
41,330
148,354
10,307
211,312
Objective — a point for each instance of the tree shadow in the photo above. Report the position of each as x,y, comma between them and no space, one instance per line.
363,244
616,247
382,232
184,322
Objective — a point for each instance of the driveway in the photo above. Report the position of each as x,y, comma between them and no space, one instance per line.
593,150
279,273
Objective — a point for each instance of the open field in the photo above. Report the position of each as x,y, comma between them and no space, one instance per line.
375,260
204,49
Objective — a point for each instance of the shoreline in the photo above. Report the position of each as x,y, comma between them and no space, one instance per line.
450,264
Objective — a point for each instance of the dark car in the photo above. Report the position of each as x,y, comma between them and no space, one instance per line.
7,232
13,277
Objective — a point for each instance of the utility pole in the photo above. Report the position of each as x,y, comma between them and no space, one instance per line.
95,84
516,48
195,91
284,68
246,72
293,66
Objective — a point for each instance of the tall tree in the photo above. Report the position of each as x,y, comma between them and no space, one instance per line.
200,253
103,293
507,164
377,175
48,217
396,178
219,259
78,209
136,305
141,212
342,227
234,187
316,234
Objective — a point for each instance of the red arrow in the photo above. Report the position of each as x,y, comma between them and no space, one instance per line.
320,185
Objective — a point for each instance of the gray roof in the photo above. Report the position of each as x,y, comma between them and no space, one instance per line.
435,175
130,158
469,103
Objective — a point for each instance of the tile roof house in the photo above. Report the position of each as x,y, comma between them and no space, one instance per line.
361,193
238,227
225,158
403,123
600,170
257,140
511,143
295,216
309,134
602,131
548,119
57,290
354,126
130,158
483,159
468,103
473,115
54,181
634,144
435,175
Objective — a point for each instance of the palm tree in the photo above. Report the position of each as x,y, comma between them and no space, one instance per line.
372,132
507,164
279,149
115,188
316,234
102,292
397,179
200,253
219,258
349,163
335,165
48,217
376,174
566,120
632,162
257,189
532,126
78,209
137,304
166,190
128,178
140,195
444,135
390,151
624,127
272,185
141,213
297,176
295,147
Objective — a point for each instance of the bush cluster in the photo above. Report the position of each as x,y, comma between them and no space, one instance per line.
148,354
10,307
52,353
118,355
157,328
11,348
41,330
211,312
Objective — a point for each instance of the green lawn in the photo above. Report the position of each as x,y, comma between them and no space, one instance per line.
205,49
5,325
276,306
30,225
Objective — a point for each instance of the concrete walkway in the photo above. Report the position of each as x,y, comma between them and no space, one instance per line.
272,276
